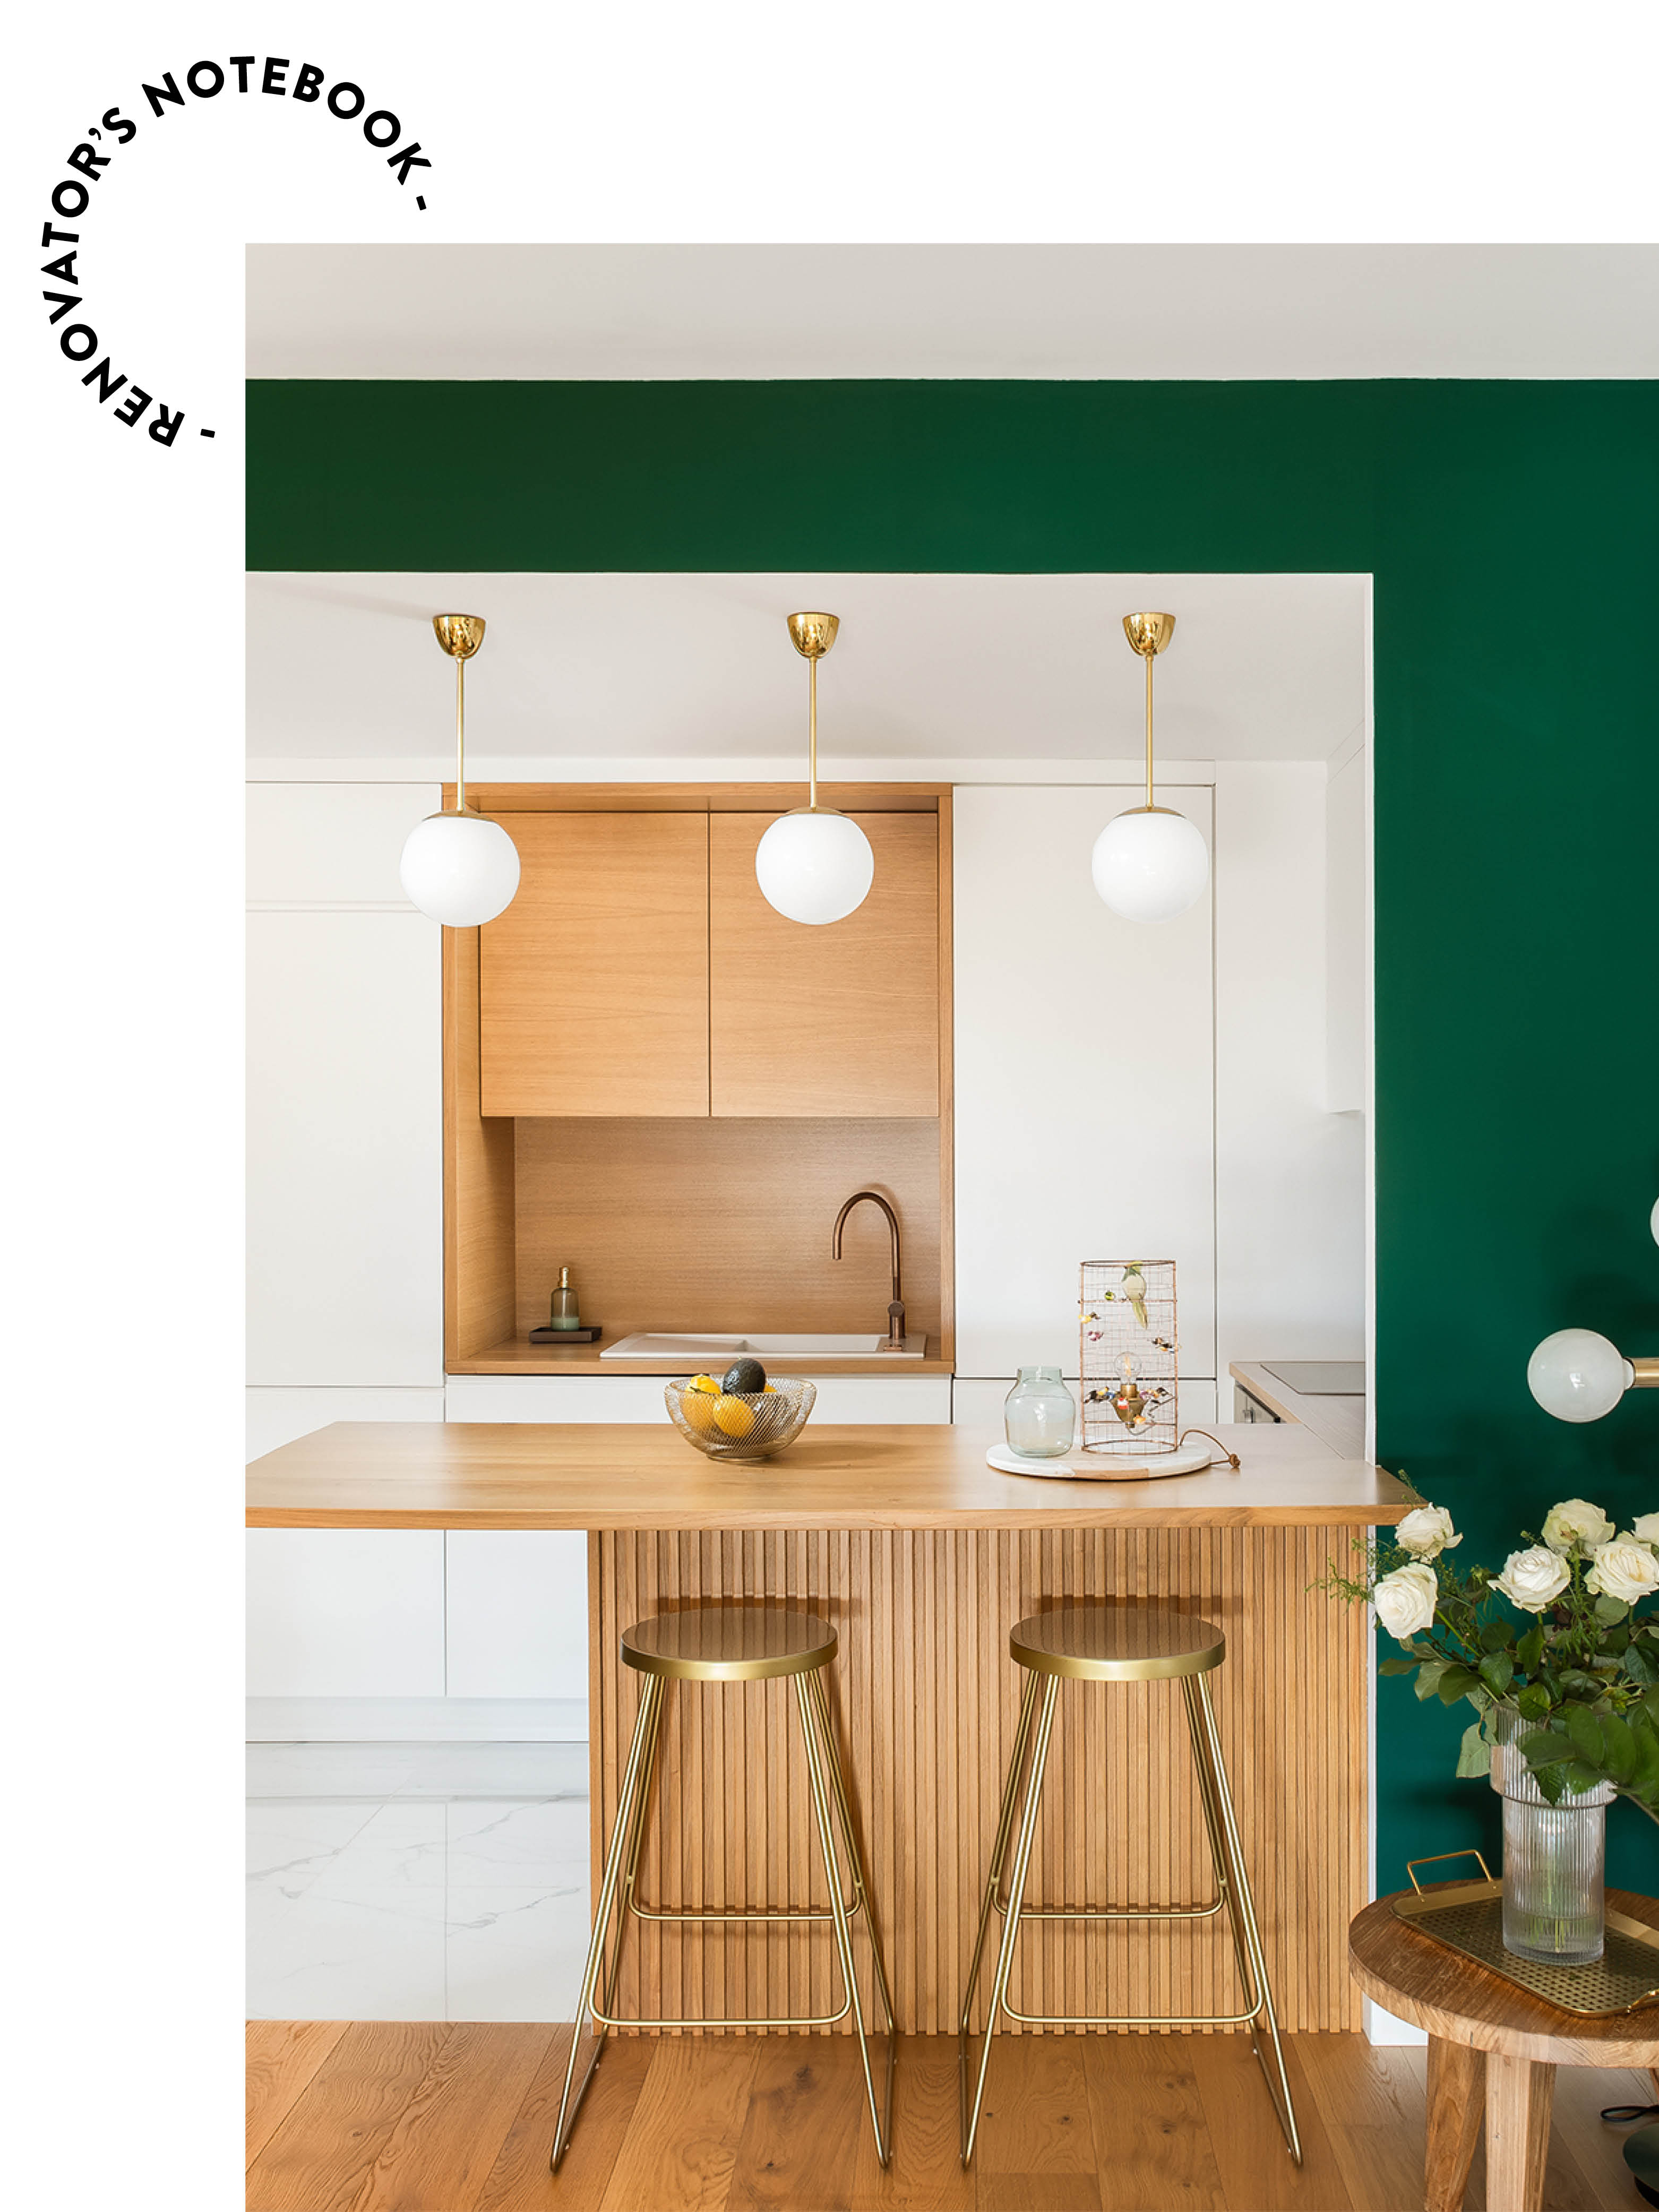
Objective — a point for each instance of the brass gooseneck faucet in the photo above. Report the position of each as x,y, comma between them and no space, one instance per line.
896,1308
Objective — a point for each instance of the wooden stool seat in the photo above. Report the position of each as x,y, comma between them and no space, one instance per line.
1117,1644
728,1643
1493,2047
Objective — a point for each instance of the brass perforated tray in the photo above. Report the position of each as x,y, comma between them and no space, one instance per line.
1468,1917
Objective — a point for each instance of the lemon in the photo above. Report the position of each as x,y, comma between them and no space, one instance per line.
697,1411
768,1390
706,1384
732,1415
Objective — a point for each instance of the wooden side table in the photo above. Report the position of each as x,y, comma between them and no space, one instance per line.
1492,2045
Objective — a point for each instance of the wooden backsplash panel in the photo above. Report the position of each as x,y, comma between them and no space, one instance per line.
725,1224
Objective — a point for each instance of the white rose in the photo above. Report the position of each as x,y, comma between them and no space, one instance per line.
1645,1529
1427,1531
1532,1579
1405,1600
1624,1569
1575,1520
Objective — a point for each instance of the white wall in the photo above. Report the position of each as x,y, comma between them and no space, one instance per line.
1290,1177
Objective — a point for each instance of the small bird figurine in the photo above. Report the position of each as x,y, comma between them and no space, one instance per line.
1162,1343
1135,1289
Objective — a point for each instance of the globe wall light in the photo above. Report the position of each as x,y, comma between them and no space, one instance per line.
457,867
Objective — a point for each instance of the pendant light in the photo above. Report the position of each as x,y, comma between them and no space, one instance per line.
815,864
1150,863
458,867
1579,1375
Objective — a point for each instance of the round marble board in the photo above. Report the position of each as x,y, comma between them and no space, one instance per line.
1100,1466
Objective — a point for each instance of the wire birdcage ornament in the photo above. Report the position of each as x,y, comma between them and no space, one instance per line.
1127,1358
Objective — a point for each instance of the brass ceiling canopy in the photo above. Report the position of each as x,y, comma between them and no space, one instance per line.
1149,633
460,636
813,634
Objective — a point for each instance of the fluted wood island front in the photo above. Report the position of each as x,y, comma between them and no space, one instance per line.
923,1557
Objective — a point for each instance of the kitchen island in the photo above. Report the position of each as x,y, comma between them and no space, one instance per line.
923,1557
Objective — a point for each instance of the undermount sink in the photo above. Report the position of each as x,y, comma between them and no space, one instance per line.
700,1348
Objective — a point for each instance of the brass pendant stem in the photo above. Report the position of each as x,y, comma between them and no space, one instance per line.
812,736
461,736
1148,731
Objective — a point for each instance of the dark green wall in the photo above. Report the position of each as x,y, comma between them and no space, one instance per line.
1513,532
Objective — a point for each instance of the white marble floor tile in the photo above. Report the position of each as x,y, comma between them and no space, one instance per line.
517,1953
291,1845
519,1844
400,1847
320,1958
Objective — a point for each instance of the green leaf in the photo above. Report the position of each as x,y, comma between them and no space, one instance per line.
1428,1674
1534,1702
1585,1730
1396,1666
1548,1748
1619,1755
1551,1787
1611,1609
1581,1776
1498,1672
1530,1649
1474,1754
1494,1635
1456,1682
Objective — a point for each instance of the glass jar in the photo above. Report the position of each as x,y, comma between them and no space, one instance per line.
1039,1414
1554,1908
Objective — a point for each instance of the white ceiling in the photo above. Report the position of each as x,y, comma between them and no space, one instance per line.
677,667
952,311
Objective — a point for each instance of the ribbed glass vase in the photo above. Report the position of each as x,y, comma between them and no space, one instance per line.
1554,1858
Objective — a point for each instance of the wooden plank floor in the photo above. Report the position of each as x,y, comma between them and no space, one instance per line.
412,2117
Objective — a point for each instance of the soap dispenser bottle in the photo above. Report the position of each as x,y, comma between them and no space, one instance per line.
565,1314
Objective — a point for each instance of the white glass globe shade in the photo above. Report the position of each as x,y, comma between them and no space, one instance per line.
1578,1376
1150,864
459,869
1653,1221
814,867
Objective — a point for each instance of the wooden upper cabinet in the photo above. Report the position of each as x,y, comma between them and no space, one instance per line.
838,1019
593,985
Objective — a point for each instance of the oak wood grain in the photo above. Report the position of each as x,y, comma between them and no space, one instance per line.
842,1020
593,983
1519,2095
464,1475
478,1188
725,1224
321,2156
807,2110
519,2180
282,2055
444,2145
1150,2140
1456,2112
681,2147
768,799
1372,2110
1249,2150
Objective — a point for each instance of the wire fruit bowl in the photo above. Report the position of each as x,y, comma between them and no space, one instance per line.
716,1425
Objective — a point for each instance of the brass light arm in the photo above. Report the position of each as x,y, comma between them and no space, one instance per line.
896,1308
1646,1373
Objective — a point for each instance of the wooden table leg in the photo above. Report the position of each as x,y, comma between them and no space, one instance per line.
1519,2095
1457,2085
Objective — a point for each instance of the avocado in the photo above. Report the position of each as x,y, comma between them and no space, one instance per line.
744,1376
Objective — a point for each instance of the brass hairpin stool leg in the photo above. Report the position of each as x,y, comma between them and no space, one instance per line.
1104,1643
732,1643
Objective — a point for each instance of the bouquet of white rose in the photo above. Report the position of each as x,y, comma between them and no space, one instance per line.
1584,1673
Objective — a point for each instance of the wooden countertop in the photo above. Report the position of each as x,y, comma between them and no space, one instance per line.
510,1474
516,1355
1338,1422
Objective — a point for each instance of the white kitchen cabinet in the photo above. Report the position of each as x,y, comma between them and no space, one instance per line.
345,1612
345,1165
875,1398
1085,1079
516,1612
331,844
278,1415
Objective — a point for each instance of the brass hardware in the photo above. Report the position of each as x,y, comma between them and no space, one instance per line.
1435,1859
746,1633
1468,1917
813,634
1231,1457
460,636
896,1305
1148,634
1645,1374
1109,1627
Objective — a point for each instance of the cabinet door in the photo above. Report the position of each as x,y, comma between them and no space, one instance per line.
345,1612
838,1020
593,985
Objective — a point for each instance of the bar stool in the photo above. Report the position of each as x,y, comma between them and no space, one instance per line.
1121,1644
730,1643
